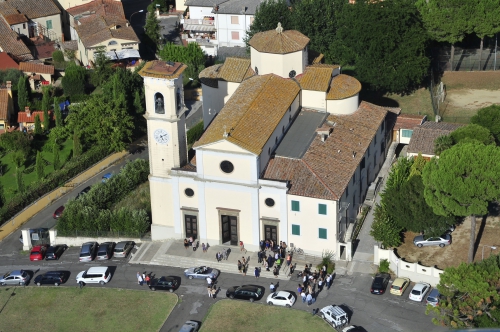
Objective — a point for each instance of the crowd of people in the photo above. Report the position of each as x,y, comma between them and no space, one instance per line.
313,283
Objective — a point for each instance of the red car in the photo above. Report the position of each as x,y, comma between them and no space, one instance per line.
38,253
58,212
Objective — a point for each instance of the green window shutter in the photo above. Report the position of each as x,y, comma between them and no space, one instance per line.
295,206
49,24
322,209
295,229
322,233
407,133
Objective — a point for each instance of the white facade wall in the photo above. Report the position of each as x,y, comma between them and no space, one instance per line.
208,166
279,64
229,33
85,55
276,215
214,99
198,13
314,99
21,28
343,106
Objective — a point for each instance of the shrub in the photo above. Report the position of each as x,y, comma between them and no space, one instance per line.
195,133
327,259
58,56
384,266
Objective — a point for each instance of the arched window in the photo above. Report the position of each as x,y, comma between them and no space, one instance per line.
113,42
178,98
159,103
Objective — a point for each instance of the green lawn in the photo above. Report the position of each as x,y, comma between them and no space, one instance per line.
88,309
8,178
232,315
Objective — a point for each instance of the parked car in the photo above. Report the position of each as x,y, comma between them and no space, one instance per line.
190,326
105,250
201,272
353,328
281,298
42,233
38,252
52,278
83,192
334,315
433,298
441,241
16,277
55,252
419,290
379,283
122,249
106,177
94,275
88,251
164,283
246,292
58,212
399,286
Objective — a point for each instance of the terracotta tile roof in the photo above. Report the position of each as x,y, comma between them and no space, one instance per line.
316,78
161,69
99,7
4,104
343,86
272,41
45,50
6,62
31,67
10,43
423,137
11,14
35,8
409,121
232,70
252,113
327,166
22,117
97,29
16,19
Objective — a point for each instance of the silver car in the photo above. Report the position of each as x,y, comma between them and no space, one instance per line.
201,272
441,241
190,326
16,277
123,248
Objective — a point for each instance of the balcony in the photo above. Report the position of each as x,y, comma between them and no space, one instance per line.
198,25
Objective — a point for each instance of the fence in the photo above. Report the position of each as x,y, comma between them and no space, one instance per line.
77,238
466,59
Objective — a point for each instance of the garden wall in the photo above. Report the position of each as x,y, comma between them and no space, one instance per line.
414,271
78,241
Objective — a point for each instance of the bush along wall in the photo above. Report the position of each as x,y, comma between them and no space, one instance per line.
92,213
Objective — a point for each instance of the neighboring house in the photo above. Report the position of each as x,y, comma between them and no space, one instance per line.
6,62
423,137
288,151
102,23
38,74
26,119
403,129
34,18
11,43
6,107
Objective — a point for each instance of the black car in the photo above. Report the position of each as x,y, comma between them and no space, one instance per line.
83,192
379,283
164,283
54,252
105,250
246,292
52,277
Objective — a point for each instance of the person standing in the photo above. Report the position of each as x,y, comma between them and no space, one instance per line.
256,273
259,257
239,266
209,291
244,269
138,278
299,289
276,256
271,288
186,244
148,279
303,295
194,245
209,281
242,247
243,261
266,265
328,281
275,271
214,292
288,260
203,247
320,284
262,245
309,299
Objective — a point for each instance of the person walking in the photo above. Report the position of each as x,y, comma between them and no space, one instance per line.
275,271
288,260
303,295
271,288
203,247
244,269
259,257
309,299
148,279
256,272
214,292
266,265
242,247
328,281
138,278
217,256
209,291
299,289
239,266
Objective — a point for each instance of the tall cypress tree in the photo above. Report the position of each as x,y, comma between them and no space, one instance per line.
77,148
40,166
56,162
138,103
38,125
19,180
58,115
46,99
46,120
2,196
22,93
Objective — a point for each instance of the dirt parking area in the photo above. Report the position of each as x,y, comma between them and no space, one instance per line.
455,253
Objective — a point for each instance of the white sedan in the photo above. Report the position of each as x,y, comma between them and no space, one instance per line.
281,298
419,290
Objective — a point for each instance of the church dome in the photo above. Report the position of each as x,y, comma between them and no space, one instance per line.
279,41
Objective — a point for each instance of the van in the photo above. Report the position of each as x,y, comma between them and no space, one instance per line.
94,275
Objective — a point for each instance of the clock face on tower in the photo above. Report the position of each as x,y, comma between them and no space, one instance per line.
161,136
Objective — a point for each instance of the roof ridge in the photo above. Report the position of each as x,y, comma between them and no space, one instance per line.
319,178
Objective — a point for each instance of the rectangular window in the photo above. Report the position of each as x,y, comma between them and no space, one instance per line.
296,206
295,229
346,191
383,124
363,163
235,35
406,133
234,20
49,24
322,209
322,233
24,25
354,178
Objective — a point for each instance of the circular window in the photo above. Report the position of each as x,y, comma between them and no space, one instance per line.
269,202
226,166
189,192
292,74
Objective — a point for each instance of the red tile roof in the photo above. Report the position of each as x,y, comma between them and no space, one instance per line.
4,104
24,117
409,121
11,14
423,137
6,62
99,7
35,8
31,67
279,41
12,44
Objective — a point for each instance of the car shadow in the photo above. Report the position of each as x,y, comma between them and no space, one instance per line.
112,270
178,279
348,310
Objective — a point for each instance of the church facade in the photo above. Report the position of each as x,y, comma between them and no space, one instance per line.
287,154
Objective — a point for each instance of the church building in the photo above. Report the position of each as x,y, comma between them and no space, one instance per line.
288,151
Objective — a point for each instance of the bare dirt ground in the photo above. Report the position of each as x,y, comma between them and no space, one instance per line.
455,253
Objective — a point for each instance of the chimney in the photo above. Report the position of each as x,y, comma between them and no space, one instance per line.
9,85
324,133
27,110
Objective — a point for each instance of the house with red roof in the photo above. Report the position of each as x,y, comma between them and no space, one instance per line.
26,119
6,107
39,74
6,62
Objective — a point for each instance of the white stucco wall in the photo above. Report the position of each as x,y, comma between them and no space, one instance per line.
215,98
21,28
226,27
56,24
163,203
343,106
208,166
314,99
279,64
198,13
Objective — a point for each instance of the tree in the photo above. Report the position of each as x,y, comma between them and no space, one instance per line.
77,147
470,296
462,182
472,132
267,16
73,82
15,141
384,228
391,60
46,121
102,69
442,143
192,55
40,166
12,75
447,20
489,117
19,181
152,30
139,109
23,93
58,115
2,196
38,125
18,158
485,21
46,98
56,162
58,56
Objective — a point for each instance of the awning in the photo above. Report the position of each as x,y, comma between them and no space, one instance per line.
110,55
199,27
127,54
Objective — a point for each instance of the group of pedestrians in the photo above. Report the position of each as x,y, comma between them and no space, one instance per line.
191,243
212,287
143,278
273,255
312,281
243,265
222,255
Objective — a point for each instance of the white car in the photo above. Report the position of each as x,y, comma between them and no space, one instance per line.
419,290
281,298
94,275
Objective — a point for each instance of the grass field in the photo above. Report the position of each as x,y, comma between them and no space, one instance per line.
88,309
235,316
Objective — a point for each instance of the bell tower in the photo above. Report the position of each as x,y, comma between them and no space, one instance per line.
163,90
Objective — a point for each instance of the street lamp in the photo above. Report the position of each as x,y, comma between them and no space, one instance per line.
130,18
491,247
